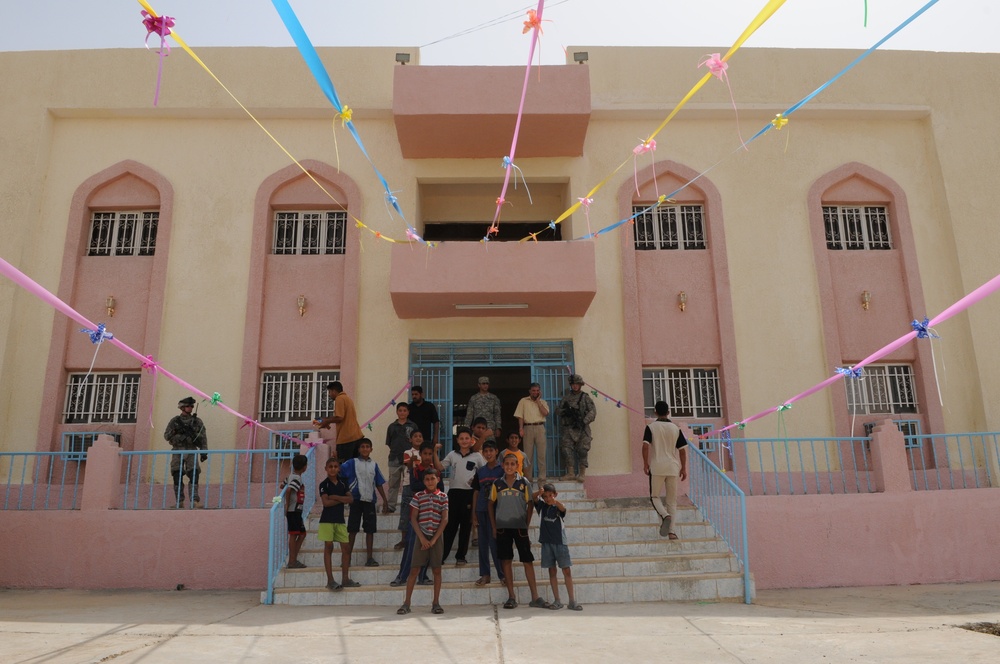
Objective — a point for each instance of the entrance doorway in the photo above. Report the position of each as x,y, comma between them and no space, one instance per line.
449,373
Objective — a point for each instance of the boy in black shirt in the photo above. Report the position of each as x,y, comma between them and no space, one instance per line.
334,494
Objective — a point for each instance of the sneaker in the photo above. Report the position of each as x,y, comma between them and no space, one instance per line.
665,526
574,606
371,563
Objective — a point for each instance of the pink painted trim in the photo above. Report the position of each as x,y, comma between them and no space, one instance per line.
871,186
705,191
348,333
62,327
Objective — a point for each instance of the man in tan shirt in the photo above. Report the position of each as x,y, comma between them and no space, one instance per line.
346,418
531,412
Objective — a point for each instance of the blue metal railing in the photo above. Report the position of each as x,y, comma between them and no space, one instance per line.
803,465
240,479
277,536
953,461
40,480
724,505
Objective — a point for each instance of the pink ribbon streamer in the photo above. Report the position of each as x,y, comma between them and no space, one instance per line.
159,25
151,365
392,402
509,160
644,147
717,66
607,397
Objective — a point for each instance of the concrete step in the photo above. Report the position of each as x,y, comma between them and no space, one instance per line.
712,587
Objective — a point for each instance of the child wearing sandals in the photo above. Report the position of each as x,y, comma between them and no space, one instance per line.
428,517
510,514
552,537
334,494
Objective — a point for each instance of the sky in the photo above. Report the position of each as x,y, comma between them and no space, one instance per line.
488,32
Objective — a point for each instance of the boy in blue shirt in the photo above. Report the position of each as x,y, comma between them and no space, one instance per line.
552,537
334,494
364,478
481,484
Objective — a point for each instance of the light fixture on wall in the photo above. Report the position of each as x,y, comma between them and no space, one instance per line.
682,300
580,57
110,304
866,299
402,58
301,302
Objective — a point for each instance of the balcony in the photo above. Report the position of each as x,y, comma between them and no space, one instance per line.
469,112
467,279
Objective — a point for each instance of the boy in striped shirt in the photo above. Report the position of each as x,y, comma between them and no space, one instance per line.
428,517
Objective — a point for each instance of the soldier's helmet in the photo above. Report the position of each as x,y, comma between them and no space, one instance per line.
189,401
576,379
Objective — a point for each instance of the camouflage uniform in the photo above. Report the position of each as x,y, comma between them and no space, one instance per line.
576,412
186,432
485,405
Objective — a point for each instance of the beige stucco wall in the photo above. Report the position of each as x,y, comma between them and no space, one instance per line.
922,119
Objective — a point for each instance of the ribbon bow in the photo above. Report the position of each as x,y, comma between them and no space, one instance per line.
648,145
850,372
100,335
783,407
159,25
923,330
345,115
717,67
741,425
216,399
507,164
534,22
779,121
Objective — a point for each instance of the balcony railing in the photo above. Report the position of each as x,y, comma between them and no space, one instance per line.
954,461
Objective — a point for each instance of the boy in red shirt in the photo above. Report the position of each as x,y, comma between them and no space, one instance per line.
428,517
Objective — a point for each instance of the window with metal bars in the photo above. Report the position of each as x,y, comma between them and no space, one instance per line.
123,233
882,388
690,392
670,227
295,395
856,227
101,397
309,233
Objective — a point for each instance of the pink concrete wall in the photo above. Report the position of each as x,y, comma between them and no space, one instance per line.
114,549
874,539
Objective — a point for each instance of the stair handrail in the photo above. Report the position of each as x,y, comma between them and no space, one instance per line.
713,492
277,536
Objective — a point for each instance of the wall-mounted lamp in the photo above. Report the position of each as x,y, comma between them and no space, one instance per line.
402,58
301,302
682,300
866,299
110,304
580,57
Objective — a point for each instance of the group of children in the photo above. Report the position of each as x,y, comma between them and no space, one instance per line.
487,492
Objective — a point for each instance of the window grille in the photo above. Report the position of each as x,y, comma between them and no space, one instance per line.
857,227
283,446
909,428
76,443
309,233
882,388
670,227
700,429
295,396
123,233
691,392
101,397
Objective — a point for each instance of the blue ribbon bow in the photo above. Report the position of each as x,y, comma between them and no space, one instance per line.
922,329
100,335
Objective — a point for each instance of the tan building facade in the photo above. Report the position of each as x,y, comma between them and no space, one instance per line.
812,249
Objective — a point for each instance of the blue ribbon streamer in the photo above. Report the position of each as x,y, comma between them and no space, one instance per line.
311,57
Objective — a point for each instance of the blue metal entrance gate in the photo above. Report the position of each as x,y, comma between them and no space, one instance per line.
432,365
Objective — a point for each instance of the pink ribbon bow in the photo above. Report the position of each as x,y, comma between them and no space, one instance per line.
159,25
717,67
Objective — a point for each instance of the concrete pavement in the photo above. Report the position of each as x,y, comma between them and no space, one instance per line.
896,624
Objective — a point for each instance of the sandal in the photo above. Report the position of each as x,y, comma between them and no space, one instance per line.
673,536
350,583
574,606
437,609
539,603
510,604
483,581
403,610
556,605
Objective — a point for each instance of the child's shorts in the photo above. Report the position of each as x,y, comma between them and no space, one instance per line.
295,524
508,538
362,516
553,554
432,557
332,532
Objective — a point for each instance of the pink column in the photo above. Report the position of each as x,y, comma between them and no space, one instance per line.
889,468
101,482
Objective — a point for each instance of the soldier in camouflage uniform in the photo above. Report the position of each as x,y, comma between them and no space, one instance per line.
484,404
576,412
186,432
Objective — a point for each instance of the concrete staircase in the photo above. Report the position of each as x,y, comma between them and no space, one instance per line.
618,556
